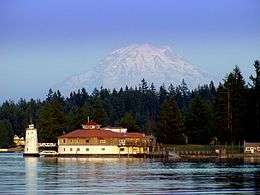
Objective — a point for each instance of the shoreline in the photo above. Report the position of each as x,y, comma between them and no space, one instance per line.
241,159
191,153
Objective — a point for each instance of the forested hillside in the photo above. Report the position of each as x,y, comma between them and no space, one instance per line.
228,112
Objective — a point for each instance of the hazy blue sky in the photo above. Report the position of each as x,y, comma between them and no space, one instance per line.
43,42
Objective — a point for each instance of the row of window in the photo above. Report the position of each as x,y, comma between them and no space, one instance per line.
102,141
87,149
253,149
78,149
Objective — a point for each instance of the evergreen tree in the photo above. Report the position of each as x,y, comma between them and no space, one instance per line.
236,91
212,91
221,113
52,121
129,122
99,113
198,122
80,115
143,86
172,92
152,88
256,79
169,128
6,134
163,94
254,105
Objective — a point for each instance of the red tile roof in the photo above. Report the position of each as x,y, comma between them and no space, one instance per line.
99,133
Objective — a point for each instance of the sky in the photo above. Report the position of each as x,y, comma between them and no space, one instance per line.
44,42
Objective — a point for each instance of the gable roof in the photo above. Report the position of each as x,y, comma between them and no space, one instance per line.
252,144
100,133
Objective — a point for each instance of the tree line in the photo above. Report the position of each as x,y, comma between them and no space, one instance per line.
226,114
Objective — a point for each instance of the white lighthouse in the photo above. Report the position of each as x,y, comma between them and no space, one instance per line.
31,142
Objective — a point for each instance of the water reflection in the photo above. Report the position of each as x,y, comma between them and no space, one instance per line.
31,175
252,160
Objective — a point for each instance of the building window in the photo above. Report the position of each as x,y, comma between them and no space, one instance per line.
87,141
122,149
122,142
71,149
87,149
78,149
64,149
71,141
102,141
64,141
103,149
248,149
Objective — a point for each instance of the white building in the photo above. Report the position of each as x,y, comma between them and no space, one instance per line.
18,141
93,140
252,148
31,142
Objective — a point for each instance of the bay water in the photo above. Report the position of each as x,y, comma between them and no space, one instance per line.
42,175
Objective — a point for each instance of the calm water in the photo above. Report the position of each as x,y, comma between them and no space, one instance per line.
20,175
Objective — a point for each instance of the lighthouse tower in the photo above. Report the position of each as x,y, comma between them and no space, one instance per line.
31,142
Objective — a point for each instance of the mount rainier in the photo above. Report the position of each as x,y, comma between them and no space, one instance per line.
129,65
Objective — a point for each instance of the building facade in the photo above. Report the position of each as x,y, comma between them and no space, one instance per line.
18,141
31,142
252,148
94,140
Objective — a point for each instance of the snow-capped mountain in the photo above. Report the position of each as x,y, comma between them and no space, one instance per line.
129,65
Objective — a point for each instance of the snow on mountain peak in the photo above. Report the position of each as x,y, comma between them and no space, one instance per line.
129,65
140,56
